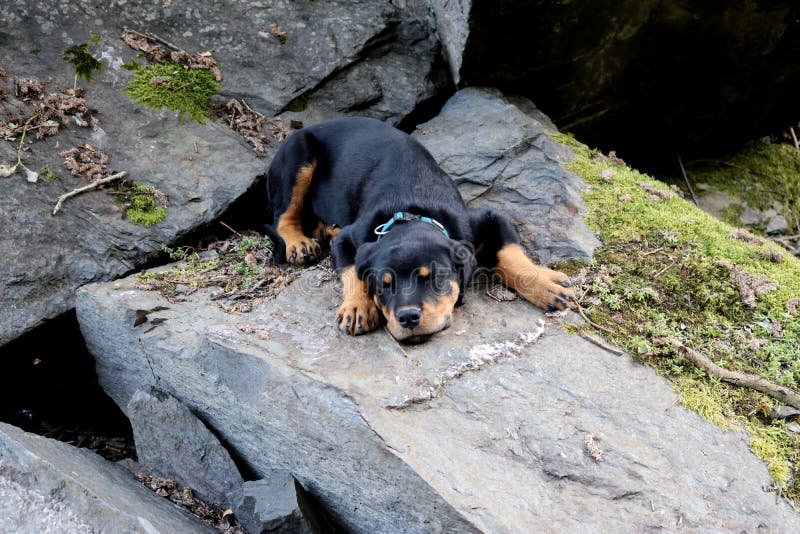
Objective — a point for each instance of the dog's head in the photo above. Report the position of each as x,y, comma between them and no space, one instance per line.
417,276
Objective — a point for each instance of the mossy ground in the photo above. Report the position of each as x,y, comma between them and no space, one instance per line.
141,203
240,269
175,87
656,278
759,174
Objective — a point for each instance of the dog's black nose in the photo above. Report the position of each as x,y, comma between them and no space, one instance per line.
409,317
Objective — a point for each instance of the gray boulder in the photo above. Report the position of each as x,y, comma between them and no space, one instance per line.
202,168
48,486
500,155
273,504
172,443
367,57
502,423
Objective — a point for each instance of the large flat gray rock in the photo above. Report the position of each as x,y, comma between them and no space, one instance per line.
501,423
499,152
50,487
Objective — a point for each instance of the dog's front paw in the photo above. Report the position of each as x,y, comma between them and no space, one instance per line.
552,291
357,316
303,251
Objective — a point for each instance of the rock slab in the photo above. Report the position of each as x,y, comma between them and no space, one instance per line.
272,504
51,487
501,423
500,154
172,443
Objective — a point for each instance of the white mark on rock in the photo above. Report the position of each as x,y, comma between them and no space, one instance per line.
479,356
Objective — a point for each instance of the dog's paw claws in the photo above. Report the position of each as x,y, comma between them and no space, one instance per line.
357,318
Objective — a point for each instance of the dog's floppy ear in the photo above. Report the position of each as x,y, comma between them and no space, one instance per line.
365,256
463,256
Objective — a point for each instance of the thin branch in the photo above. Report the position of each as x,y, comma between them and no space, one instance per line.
89,187
686,179
794,138
602,344
597,326
750,381
229,228
154,38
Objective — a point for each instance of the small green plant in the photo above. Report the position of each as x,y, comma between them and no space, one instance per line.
47,174
175,87
141,203
84,62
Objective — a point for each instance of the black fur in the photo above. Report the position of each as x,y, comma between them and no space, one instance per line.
366,171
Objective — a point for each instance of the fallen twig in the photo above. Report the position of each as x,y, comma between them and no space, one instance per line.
686,179
750,381
89,187
585,318
602,344
153,38
794,138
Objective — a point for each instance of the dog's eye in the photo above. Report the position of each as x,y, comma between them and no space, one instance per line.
387,280
424,273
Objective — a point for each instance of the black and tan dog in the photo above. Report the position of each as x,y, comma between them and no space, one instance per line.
403,240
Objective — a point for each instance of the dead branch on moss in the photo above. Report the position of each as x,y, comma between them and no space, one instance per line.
750,287
158,50
746,380
89,187
602,344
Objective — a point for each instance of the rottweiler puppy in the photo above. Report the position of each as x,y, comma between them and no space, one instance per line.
403,241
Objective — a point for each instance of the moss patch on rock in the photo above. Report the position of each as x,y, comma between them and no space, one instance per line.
761,174
668,271
143,204
239,269
174,87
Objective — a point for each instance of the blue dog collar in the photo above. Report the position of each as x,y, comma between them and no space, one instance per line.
402,216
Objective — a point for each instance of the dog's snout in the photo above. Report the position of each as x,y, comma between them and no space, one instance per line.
409,317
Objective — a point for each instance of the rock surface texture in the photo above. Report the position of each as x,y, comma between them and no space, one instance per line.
500,155
171,442
501,423
609,70
365,57
48,486
272,504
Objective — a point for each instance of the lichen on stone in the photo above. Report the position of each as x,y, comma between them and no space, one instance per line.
174,87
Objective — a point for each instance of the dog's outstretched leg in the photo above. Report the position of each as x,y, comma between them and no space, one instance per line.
497,239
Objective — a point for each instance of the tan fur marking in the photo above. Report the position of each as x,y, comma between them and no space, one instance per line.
424,271
539,285
387,278
358,313
290,223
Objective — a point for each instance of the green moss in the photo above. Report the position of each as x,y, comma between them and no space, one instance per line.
760,174
131,65
241,269
141,203
84,63
171,86
298,104
658,277
47,174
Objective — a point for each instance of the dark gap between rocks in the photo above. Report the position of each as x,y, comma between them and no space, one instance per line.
430,107
52,390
